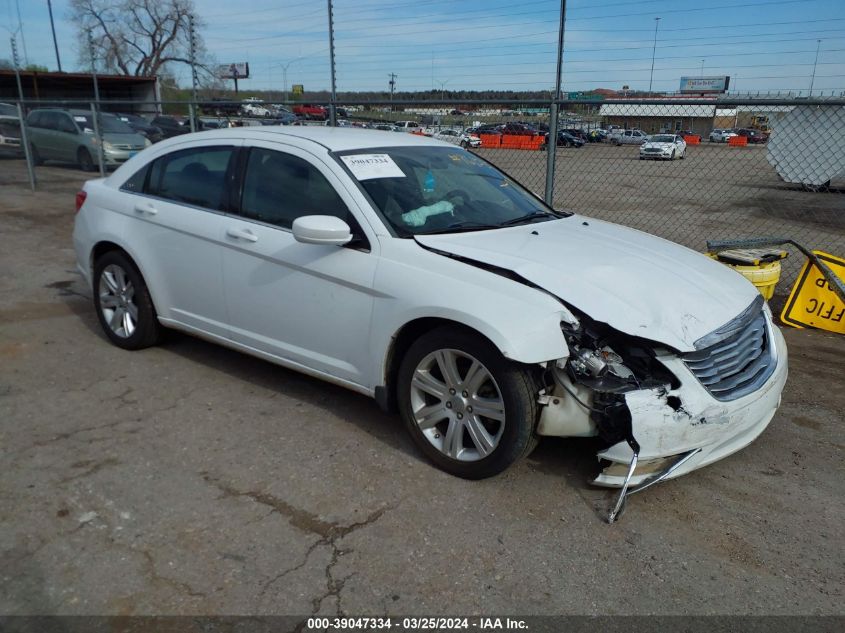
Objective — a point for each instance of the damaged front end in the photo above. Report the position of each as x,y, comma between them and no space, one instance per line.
663,413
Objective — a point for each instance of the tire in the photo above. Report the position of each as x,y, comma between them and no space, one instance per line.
672,157
84,160
36,157
508,389
683,155
464,144
119,289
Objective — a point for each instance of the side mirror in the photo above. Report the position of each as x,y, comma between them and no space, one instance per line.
321,229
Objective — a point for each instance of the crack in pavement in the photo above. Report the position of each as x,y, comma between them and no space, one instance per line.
327,531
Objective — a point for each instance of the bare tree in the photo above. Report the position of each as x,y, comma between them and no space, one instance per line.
138,37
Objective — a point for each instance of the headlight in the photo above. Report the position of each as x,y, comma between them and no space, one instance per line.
147,142
107,145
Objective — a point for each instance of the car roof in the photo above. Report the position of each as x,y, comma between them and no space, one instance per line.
336,139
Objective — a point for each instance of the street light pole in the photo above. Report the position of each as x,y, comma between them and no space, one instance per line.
653,51
813,78
443,88
55,42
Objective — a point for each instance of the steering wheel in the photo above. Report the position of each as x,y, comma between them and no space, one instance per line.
457,193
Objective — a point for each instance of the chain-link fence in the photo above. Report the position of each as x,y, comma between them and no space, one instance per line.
686,170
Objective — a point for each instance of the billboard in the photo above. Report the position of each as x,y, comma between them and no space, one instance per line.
297,89
238,70
699,85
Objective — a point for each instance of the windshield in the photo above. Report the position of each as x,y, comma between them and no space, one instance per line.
662,138
441,189
109,124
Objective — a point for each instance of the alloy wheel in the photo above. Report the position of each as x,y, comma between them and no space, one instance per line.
117,301
457,405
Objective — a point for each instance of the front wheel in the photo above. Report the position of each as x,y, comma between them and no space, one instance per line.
124,306
469,409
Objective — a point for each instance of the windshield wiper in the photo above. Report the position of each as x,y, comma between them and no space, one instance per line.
534,215
460,227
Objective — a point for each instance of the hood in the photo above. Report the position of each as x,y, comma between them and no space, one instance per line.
124,139
637,283
660,145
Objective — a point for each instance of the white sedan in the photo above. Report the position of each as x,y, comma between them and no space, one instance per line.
413,271
721,136
663,147
456,137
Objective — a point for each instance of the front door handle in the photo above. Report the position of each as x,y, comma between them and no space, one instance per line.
145,209
242,234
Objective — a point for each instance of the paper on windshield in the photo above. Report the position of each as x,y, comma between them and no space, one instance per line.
369,166
79,119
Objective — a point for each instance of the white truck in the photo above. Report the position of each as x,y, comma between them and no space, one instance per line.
627,137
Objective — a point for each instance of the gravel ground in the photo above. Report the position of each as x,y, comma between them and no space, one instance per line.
190,479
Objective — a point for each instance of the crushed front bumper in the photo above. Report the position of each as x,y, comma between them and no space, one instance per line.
697,422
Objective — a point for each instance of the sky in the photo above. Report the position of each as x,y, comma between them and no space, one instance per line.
764,45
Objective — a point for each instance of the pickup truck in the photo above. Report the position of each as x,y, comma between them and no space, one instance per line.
316,112
627,137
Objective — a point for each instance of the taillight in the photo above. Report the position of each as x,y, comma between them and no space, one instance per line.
80,200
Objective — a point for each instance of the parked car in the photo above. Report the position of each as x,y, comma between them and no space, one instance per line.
143,127
663,147
408,126
577,133
720,135
309,111
456,137
10,130
565,139
628,137
485,317
68,136
754,136
171,126
518,129
255,109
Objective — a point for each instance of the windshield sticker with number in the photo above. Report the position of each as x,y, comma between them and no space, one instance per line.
368,166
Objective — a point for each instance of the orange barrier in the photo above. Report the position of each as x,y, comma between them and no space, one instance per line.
490,140
738,141
511,141
516,141
692,140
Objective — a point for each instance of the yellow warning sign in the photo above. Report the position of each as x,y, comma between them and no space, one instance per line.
812,302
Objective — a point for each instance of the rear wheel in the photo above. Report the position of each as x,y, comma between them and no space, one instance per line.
470,410
123,303
36,157
84,160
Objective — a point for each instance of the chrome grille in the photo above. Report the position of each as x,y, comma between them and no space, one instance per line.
736,359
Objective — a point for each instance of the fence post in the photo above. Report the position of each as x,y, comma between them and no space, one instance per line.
551,153
30,167
101,153
192,116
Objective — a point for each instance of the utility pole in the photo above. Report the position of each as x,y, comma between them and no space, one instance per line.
333,103
443,88
55,42
392,83
551,139
813,78
24,141
653,51
20,28
194,78
702,68
95,107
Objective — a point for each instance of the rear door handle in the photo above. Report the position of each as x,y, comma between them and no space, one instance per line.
145,209
242,234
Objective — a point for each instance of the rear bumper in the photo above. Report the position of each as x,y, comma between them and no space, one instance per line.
717,428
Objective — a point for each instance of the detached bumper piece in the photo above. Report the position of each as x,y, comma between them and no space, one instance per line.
625,492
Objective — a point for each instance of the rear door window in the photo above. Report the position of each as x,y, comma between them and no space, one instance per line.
195,176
